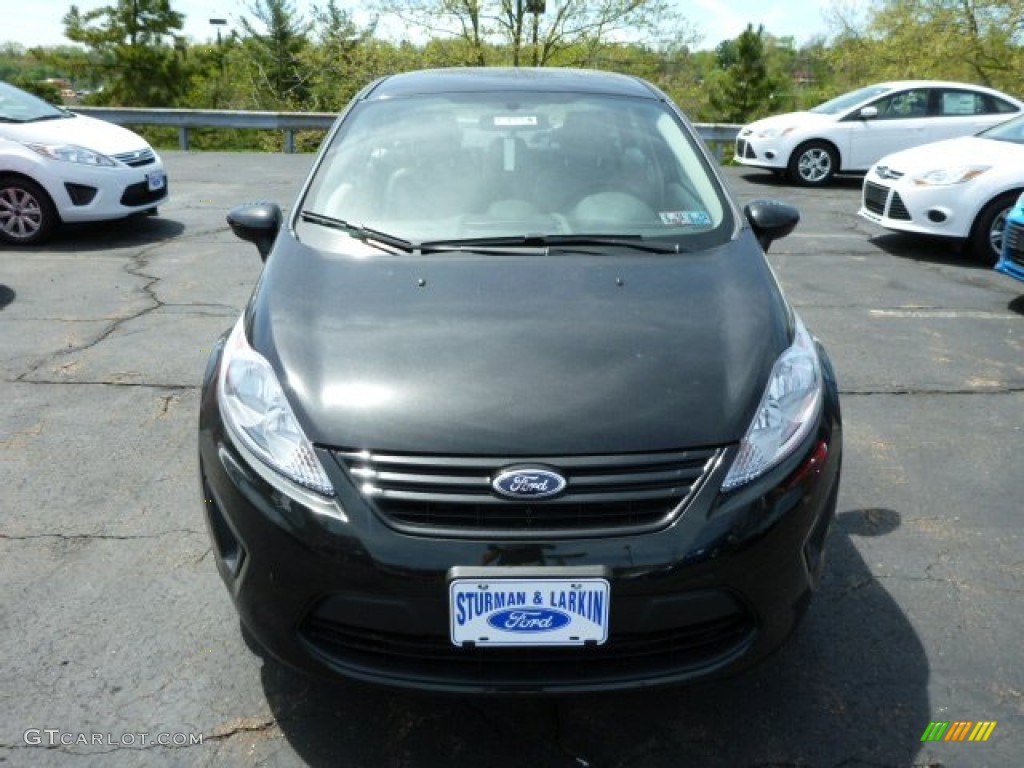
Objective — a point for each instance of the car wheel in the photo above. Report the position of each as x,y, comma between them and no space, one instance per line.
985,244
27,215
813,164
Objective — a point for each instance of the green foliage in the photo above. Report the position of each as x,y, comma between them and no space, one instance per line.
136,53
976,41
270,55
742,87
565,33
130,53
44,90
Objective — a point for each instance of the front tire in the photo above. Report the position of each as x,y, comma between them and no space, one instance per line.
985,244
27,215
813,164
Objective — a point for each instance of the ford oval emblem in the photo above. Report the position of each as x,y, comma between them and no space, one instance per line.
529,619
528,483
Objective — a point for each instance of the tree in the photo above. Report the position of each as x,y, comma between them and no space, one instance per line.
271,50
970,40
742,87
343,58
539,33
140,59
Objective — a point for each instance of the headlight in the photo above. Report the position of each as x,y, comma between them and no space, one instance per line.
255,408
72,154
941,177
771,133
787,412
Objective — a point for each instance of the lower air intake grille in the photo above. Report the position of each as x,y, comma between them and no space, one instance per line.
875,196
140,194
625,656
1014,242
898,209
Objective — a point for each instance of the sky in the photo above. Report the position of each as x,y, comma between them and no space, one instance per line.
715,20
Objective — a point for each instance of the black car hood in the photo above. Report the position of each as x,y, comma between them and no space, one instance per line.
543,355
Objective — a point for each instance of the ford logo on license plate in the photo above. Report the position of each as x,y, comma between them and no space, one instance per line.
529,620
528,483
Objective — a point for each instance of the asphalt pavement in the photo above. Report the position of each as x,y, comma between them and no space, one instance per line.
119,645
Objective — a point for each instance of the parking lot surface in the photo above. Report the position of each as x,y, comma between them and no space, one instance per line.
119,645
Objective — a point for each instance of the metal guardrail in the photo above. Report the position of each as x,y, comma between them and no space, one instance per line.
186,119
718,136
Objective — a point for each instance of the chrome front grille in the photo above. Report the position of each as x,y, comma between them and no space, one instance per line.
452,495
138,158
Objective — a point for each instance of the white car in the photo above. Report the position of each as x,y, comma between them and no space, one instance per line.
852,132
56,166
959,188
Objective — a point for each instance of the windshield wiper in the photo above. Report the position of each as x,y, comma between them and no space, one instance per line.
635,242
39,119
367,235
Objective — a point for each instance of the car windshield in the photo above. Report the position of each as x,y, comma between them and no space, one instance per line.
1011,130
851,99
485,166
17,106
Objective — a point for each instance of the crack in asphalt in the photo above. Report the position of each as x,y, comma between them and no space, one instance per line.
856,762
137,384
859,584
66,750
1009,390
228,311
99,536
137,262
245,725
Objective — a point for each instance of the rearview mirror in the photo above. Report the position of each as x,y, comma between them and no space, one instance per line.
257,223
771,220
868,113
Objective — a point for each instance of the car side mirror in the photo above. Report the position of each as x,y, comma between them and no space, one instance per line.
257,223
868,113
771,220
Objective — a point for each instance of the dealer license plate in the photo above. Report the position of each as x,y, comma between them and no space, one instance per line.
155,181
502,612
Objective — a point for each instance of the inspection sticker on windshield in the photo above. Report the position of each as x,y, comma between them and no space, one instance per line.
685,218
503,612
515,121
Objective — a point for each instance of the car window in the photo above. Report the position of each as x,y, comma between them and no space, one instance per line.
1011,130
17,106
848,100
955,103
506,165
995,105
903,105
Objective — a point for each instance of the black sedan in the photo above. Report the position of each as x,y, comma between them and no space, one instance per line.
517,404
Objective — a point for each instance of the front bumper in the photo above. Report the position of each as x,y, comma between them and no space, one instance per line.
1012,260
98,194
761,152
946,211
326,586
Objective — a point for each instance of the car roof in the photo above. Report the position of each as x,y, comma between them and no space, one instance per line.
520,79
941,84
